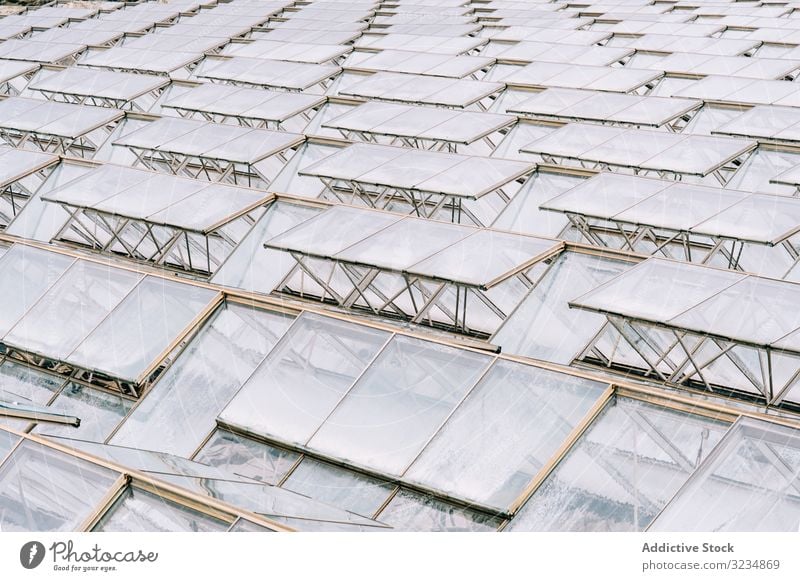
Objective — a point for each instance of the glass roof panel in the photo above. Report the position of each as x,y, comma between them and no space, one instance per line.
25,274
99,184
79,300
769,309
248,458
412,512
398,403
504,433
45,490
573,140
748,484
605,195
180,410
682,206
760,217
303,378
658,290
350,490
99,412
332,231
699,155
139,511
622,471
484,257
404,243
141,327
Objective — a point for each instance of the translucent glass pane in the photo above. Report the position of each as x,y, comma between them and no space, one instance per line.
71,308
543,326
45,490
245,526
7,441
25,273
748,484
252,267
504,433
99,412
246,457
274,503
658,290
304,377
179,411
338,486
622,471
412,512
401,400
140,511
23,384
141,327
770,307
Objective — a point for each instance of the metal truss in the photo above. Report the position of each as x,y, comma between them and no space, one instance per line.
66,370
675,244
204,168
185,250
722,175
320,87
122,104
653,241
244,121
489,142
681,357
15,195
448,305
419,203
82,146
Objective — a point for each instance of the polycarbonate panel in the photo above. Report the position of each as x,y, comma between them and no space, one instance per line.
413,512
748,484
45,490
622,471
303,378
399,403
138,511
504,433
141,327
338,486
177,414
